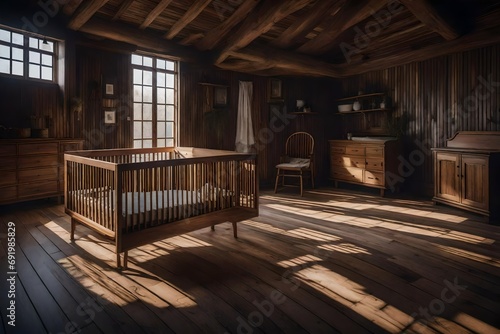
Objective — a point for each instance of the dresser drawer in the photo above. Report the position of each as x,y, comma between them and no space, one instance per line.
374,151
337,149
8,162
38,174
375,178
375,164
71,146
9,149
26,161
38,148
8,178
355,150
351,174
37,188
8,193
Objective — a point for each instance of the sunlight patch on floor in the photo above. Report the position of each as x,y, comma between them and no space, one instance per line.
423,213
471,255
474,324
345,248
299,261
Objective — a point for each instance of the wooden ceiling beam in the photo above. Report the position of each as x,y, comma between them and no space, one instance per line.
188,40
424,11
192,13
301,27
214,36
287,61
258,22
350,14
84,12
465,43
144,40
71,6
123,8
160,7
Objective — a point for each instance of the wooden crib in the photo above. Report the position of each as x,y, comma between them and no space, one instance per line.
139,196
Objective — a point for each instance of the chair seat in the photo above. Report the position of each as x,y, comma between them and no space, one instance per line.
295,163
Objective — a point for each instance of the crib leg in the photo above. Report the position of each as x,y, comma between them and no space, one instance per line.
212,227
118,260
125,260
73,227
235,230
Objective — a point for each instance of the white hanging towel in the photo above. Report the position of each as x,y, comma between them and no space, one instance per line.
244,126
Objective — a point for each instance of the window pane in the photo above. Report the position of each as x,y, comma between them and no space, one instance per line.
160,63
148,78
137,93
137,111
160,79
160,143
49,46
148,94
160,97
4,51
137,130
17,54
148,61
47,73
147,110
34,57
136,60
147,130
47,60
170,96
170,65
4,66
137,143
17,68
17,39
4,35
147,143
160,129
170,113
137,77
170,80
169,143
34,71
160,112
33,43
170,129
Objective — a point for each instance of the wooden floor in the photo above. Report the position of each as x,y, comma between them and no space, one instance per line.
332,261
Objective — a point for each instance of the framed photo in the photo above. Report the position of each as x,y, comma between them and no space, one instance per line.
109,89
275,89
109,117
220,96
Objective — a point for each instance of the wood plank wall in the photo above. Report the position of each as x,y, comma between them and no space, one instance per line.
440,96
193,131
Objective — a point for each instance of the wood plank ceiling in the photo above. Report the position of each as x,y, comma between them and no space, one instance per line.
334,38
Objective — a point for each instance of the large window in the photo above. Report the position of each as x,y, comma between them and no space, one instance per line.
26,56
155,101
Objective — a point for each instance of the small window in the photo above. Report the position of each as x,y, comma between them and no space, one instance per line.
27,56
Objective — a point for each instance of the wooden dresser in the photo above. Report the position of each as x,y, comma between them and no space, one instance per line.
33,168
368,162
466,172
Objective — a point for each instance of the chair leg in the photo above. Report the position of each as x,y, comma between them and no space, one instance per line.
301,185
277,180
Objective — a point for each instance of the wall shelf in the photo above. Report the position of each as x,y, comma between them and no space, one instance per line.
360,111
363,96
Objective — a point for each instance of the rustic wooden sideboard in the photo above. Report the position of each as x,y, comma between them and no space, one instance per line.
467,172
33,168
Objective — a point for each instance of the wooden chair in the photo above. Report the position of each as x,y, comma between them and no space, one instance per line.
298,160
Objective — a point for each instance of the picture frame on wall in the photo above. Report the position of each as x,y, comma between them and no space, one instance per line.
109,116
275,89
109,89
220,97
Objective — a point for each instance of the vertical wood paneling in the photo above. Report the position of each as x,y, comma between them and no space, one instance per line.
440,96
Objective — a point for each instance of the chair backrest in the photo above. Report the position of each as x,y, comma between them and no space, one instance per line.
300,145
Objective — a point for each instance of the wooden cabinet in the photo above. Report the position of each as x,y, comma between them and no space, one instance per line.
464,172
368,162
33,168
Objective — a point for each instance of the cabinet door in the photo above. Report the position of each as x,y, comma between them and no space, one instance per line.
474,176
447,176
